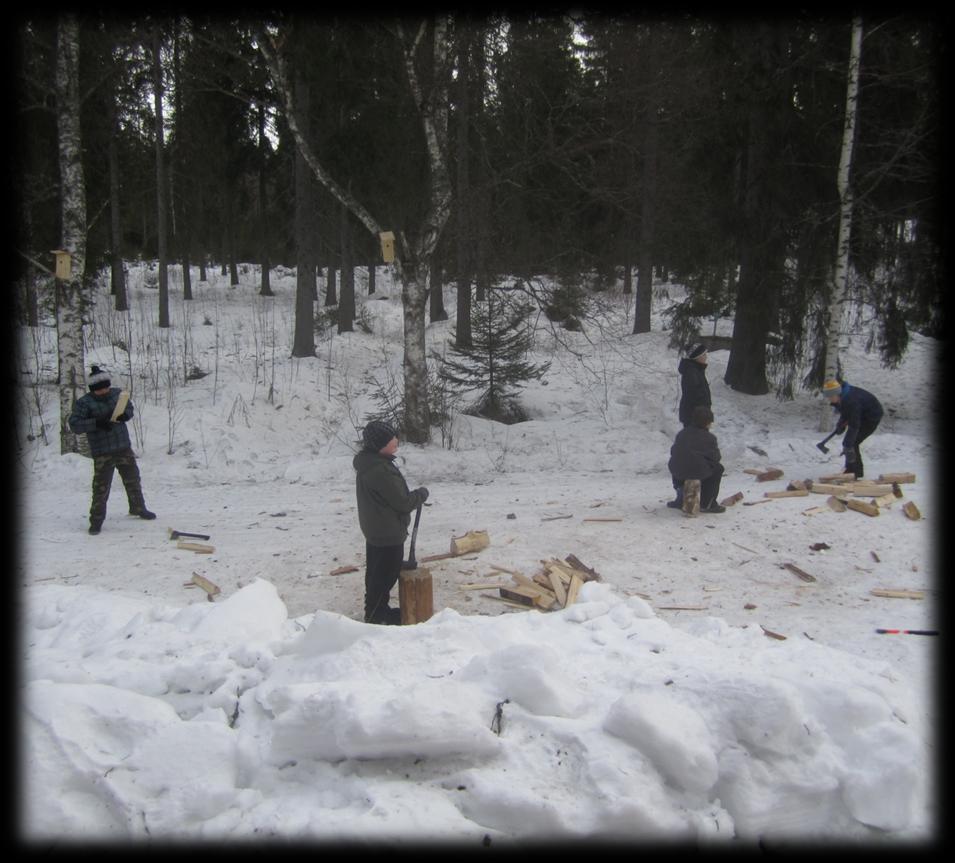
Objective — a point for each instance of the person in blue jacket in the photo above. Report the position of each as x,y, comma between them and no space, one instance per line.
110,447
859,415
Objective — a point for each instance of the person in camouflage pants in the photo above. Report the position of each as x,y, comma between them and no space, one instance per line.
110,447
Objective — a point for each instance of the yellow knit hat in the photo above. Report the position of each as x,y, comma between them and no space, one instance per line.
831,388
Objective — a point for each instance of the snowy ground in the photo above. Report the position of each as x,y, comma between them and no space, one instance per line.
657,708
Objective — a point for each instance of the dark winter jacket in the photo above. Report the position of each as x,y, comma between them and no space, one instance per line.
694,455
857,408
384,502
90,408
694,387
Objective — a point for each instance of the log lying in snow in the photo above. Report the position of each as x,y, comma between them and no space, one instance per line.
896,477
197,547
897,594
862,506
801,573
473,540
200,581
732,500
830,488
911,510
838,477
836,503
771,473
796,492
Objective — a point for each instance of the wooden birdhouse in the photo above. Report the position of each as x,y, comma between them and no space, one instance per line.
61,267
387,246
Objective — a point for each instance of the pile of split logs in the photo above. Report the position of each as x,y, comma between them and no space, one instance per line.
844,492
555,586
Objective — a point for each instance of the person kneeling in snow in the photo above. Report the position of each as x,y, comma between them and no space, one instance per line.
109,446
860,413
695,454
384,512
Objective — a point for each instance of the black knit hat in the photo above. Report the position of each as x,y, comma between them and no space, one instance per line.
377,434
98,378
696,351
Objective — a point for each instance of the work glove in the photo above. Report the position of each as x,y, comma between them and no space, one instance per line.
422,493
103,424
840,428
122,418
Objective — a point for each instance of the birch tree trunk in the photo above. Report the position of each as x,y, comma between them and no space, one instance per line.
69,293
837,300
161,229
415,250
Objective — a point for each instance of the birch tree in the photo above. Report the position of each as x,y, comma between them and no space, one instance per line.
837,299
69,292
161,236
415,248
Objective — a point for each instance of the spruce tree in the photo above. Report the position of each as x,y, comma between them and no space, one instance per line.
494,365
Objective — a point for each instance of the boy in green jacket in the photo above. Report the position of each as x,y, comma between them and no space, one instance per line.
384,512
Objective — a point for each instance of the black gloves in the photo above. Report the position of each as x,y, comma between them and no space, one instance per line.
103,424
122,418
422,492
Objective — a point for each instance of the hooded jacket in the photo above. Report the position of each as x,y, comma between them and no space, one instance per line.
695,389
90,408
856,407
384,502
695,454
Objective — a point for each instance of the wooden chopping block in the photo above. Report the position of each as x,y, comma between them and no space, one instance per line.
415,595
691,497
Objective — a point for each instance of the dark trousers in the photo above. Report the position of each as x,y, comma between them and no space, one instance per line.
855,466
382,569
709,487
103,466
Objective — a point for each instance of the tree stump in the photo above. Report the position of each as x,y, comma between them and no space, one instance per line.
691,497
415,596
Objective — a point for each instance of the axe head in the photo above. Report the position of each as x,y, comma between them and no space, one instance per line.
409,564
822,447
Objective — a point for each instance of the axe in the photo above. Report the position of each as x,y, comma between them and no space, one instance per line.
411,563
822,444
178,534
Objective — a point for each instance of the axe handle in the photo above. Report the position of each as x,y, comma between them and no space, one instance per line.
414,535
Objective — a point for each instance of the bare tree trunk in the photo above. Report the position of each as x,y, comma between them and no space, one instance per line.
436,310
346,302
69,293
265,288
117,273
837,299
304,341
462,320
182,232
644,301
161,236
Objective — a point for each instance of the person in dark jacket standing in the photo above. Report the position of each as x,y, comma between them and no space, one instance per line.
695,454
384,512
109,446
860,413
694,388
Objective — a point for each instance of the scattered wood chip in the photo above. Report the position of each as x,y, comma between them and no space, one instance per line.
732,500
795,570
682,608
754,502
601,519
343,569
556,517
772,634
837,504
200,581
897,594
875,557
814,510
749,606
820,546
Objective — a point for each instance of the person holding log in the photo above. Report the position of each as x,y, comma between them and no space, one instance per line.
385,505
860,413
695,454
694,392
98,415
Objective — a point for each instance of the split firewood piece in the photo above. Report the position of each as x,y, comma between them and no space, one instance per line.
197,547
795,492
799,484
480,585
503,569
516,593
772,634
897,491
473,540
884,500
558,587
870,489
805,576
862,506
556,517
814,510
587,573
771,473
836,503
601,519
896,477
121,401
911,510
755,471
838,477
343,569
897,594
576,582
732,500
830,488
754,502
200,581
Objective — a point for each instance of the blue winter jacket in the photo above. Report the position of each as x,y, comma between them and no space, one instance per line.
856,407
90,408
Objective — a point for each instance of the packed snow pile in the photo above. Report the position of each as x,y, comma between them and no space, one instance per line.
229,719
